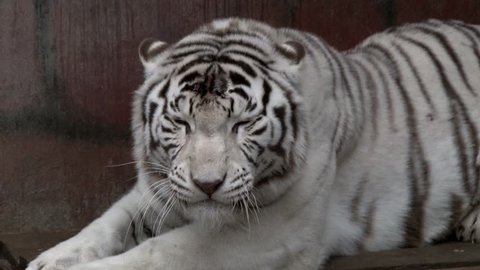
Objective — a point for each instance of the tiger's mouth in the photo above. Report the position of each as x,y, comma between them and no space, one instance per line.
207,203
212,213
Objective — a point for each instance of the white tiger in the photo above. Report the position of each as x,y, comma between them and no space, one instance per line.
263,148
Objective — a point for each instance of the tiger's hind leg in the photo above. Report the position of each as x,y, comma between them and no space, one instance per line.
468,230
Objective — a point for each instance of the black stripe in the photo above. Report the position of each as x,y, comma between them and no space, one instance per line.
417,167
451,52
251,106
231,32
134,234
345,86
179,186
163,95
248,55
192,63
238,79
147,231
187,53
166,129
243,65
238,125
151,111
456,211
245,44
328,55
293,106
357,199
153,143
179,175
372,90
241,93
248,157
183,123
177,101
414,69
259,131
169,146
252,124
456,107
174,156
163,92
189,77
170,120
462,148
359,88
280,115
293,117
467,31
144,101
171,62
231,106
267,89
388,94
315,42
197,43
254,142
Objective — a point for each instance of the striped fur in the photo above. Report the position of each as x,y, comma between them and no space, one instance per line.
263,148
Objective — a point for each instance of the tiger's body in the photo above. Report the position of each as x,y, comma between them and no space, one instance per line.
263,148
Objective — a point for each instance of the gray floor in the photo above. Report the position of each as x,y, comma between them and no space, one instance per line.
454,256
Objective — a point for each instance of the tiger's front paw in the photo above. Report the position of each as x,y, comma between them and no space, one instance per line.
66,254
113,263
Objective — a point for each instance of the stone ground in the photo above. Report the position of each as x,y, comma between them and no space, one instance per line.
452,256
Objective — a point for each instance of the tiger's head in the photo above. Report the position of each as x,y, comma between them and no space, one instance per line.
218,121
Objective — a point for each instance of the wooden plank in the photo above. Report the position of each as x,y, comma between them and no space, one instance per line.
414,11
343,24
50,183
446,255
462,268
19,76
279,13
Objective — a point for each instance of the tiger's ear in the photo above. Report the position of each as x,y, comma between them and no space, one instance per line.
292,50
149,48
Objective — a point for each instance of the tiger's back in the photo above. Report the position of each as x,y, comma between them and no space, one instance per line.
413,173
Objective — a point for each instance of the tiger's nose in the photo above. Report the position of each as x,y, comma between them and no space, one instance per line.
208,187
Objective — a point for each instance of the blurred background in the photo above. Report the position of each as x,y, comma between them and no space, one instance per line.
68,70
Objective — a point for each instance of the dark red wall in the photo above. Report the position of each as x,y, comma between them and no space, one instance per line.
68,70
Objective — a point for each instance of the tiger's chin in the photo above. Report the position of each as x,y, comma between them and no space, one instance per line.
212,214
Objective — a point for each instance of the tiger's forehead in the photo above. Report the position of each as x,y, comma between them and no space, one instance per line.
212,79
214,87
231,46
208,87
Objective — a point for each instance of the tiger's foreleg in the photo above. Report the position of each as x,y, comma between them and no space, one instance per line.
104,237
189,248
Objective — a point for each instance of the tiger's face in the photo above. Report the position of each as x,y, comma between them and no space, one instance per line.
219,128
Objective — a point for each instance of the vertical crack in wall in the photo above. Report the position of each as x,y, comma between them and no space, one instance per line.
390,13
292,10
46,59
